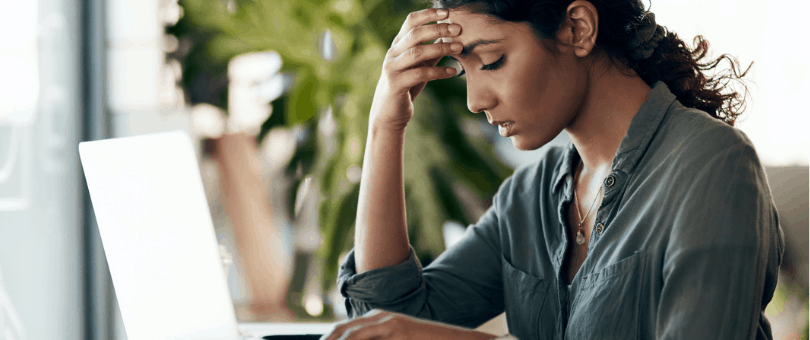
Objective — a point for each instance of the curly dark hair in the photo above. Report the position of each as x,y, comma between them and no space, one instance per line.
683,69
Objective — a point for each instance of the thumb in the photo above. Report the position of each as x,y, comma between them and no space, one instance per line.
414,91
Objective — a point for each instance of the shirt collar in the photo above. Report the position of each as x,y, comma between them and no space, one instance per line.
566,166
638,137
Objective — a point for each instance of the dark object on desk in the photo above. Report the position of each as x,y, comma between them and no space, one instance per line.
293,337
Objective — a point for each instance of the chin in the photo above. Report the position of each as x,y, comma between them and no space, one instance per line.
523,143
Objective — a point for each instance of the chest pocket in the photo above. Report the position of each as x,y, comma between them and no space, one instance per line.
606,305
524,295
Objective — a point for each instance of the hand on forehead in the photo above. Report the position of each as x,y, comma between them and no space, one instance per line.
476,25
446,21
459,17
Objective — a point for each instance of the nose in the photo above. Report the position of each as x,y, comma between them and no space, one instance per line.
480,96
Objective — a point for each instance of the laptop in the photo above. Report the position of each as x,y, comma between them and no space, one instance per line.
159,241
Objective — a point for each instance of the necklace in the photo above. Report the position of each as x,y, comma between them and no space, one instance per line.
580,237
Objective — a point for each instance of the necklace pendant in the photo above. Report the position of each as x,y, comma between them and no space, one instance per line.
580,238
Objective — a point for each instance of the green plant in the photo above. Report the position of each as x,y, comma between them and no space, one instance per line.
442,162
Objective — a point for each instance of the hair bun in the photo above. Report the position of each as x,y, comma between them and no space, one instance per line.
646,37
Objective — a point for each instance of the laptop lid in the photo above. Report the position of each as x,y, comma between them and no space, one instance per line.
158,237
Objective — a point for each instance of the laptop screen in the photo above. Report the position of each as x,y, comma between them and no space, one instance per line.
158,237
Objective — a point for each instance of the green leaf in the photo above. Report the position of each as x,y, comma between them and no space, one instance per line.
302,106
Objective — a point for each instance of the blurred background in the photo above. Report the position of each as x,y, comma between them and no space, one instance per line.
277,93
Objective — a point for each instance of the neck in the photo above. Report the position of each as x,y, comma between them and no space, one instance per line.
611,102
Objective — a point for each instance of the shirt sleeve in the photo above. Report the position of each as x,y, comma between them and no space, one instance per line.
722,260
461,287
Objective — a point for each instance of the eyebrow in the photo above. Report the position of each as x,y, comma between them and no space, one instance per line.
467,50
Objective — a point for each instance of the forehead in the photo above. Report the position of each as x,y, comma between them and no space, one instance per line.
474,26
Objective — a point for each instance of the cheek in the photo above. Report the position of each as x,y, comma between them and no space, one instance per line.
547,97
522,90
561,92
540,92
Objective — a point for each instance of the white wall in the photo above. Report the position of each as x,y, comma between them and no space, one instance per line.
773,36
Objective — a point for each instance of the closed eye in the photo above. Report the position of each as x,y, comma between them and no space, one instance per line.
488,67
494,66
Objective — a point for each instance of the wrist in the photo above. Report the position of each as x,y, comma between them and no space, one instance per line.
379,126
379,130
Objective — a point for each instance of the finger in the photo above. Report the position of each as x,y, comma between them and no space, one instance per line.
371,317
381,329
410,78
420,18
430,63
422,34
420,54
416,89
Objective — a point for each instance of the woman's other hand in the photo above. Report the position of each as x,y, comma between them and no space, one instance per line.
378,324
409,64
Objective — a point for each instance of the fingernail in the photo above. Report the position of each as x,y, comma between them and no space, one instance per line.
451,71
454,29
455,47
442,12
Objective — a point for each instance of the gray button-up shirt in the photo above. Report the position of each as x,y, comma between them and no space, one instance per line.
687,244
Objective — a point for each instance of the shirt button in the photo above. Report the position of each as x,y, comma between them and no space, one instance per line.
610,180
599,228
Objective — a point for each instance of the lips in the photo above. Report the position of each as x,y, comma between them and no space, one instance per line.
504,127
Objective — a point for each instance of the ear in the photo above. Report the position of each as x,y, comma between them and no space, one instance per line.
579,28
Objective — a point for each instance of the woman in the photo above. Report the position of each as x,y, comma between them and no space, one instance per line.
655,222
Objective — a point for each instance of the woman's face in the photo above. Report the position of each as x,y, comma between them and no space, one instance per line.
527,91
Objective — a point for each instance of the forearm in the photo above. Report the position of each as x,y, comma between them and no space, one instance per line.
381,236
